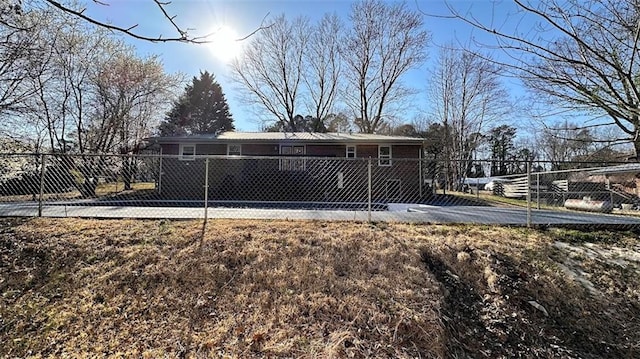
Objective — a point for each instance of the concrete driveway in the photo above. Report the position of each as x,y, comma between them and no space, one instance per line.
516,216
404,213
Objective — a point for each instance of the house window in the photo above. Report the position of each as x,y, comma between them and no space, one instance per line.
384,155
351,151
234,150
187,152
292,164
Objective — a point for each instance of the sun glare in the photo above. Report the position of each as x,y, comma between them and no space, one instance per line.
224,44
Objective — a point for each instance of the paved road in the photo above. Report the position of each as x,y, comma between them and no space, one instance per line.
405,213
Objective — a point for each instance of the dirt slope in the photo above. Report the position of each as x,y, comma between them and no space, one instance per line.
123,288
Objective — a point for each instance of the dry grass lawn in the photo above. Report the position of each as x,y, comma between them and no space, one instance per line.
240,289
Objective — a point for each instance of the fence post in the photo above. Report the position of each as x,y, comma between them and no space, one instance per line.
160,174
608,187
538,190
528,194
446,177
478,188
369,191
206,188
41,192
421,183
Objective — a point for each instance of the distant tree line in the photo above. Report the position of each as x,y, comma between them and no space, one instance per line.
499,151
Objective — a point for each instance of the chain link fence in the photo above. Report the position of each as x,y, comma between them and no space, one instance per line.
32,181
614,184
357,188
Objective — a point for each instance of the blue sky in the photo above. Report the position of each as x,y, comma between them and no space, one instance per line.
244,16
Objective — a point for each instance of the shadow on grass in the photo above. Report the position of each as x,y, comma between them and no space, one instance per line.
494,311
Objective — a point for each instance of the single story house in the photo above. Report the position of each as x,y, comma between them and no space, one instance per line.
291,167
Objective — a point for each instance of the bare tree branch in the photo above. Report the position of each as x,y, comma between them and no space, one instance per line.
384,43
271,69
182,34
580,55
323,67
466,98
171,18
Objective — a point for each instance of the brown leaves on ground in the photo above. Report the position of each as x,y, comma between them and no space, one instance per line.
301,289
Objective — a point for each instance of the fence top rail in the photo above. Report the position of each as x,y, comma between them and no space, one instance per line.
222,157
35,154
23,154
520,175
159,155
198,156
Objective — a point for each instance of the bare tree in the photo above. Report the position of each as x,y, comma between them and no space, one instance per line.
21,57
270,70
466,97
382,44
65,90
130,98
323,69
94,97
566,141
581,55
89,77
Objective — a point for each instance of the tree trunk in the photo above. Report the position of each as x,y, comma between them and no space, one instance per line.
89,181
127,172
81,174
636,147
88,187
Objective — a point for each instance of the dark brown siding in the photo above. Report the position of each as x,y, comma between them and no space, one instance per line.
366,151
397,151
363,151
170,149
405,151
242,179
182,180
211,149
201,149
260,149
326,150
407,171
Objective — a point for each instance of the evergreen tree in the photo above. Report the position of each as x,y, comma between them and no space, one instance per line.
501,140
202,109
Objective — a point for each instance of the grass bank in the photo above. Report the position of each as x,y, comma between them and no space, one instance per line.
122,288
